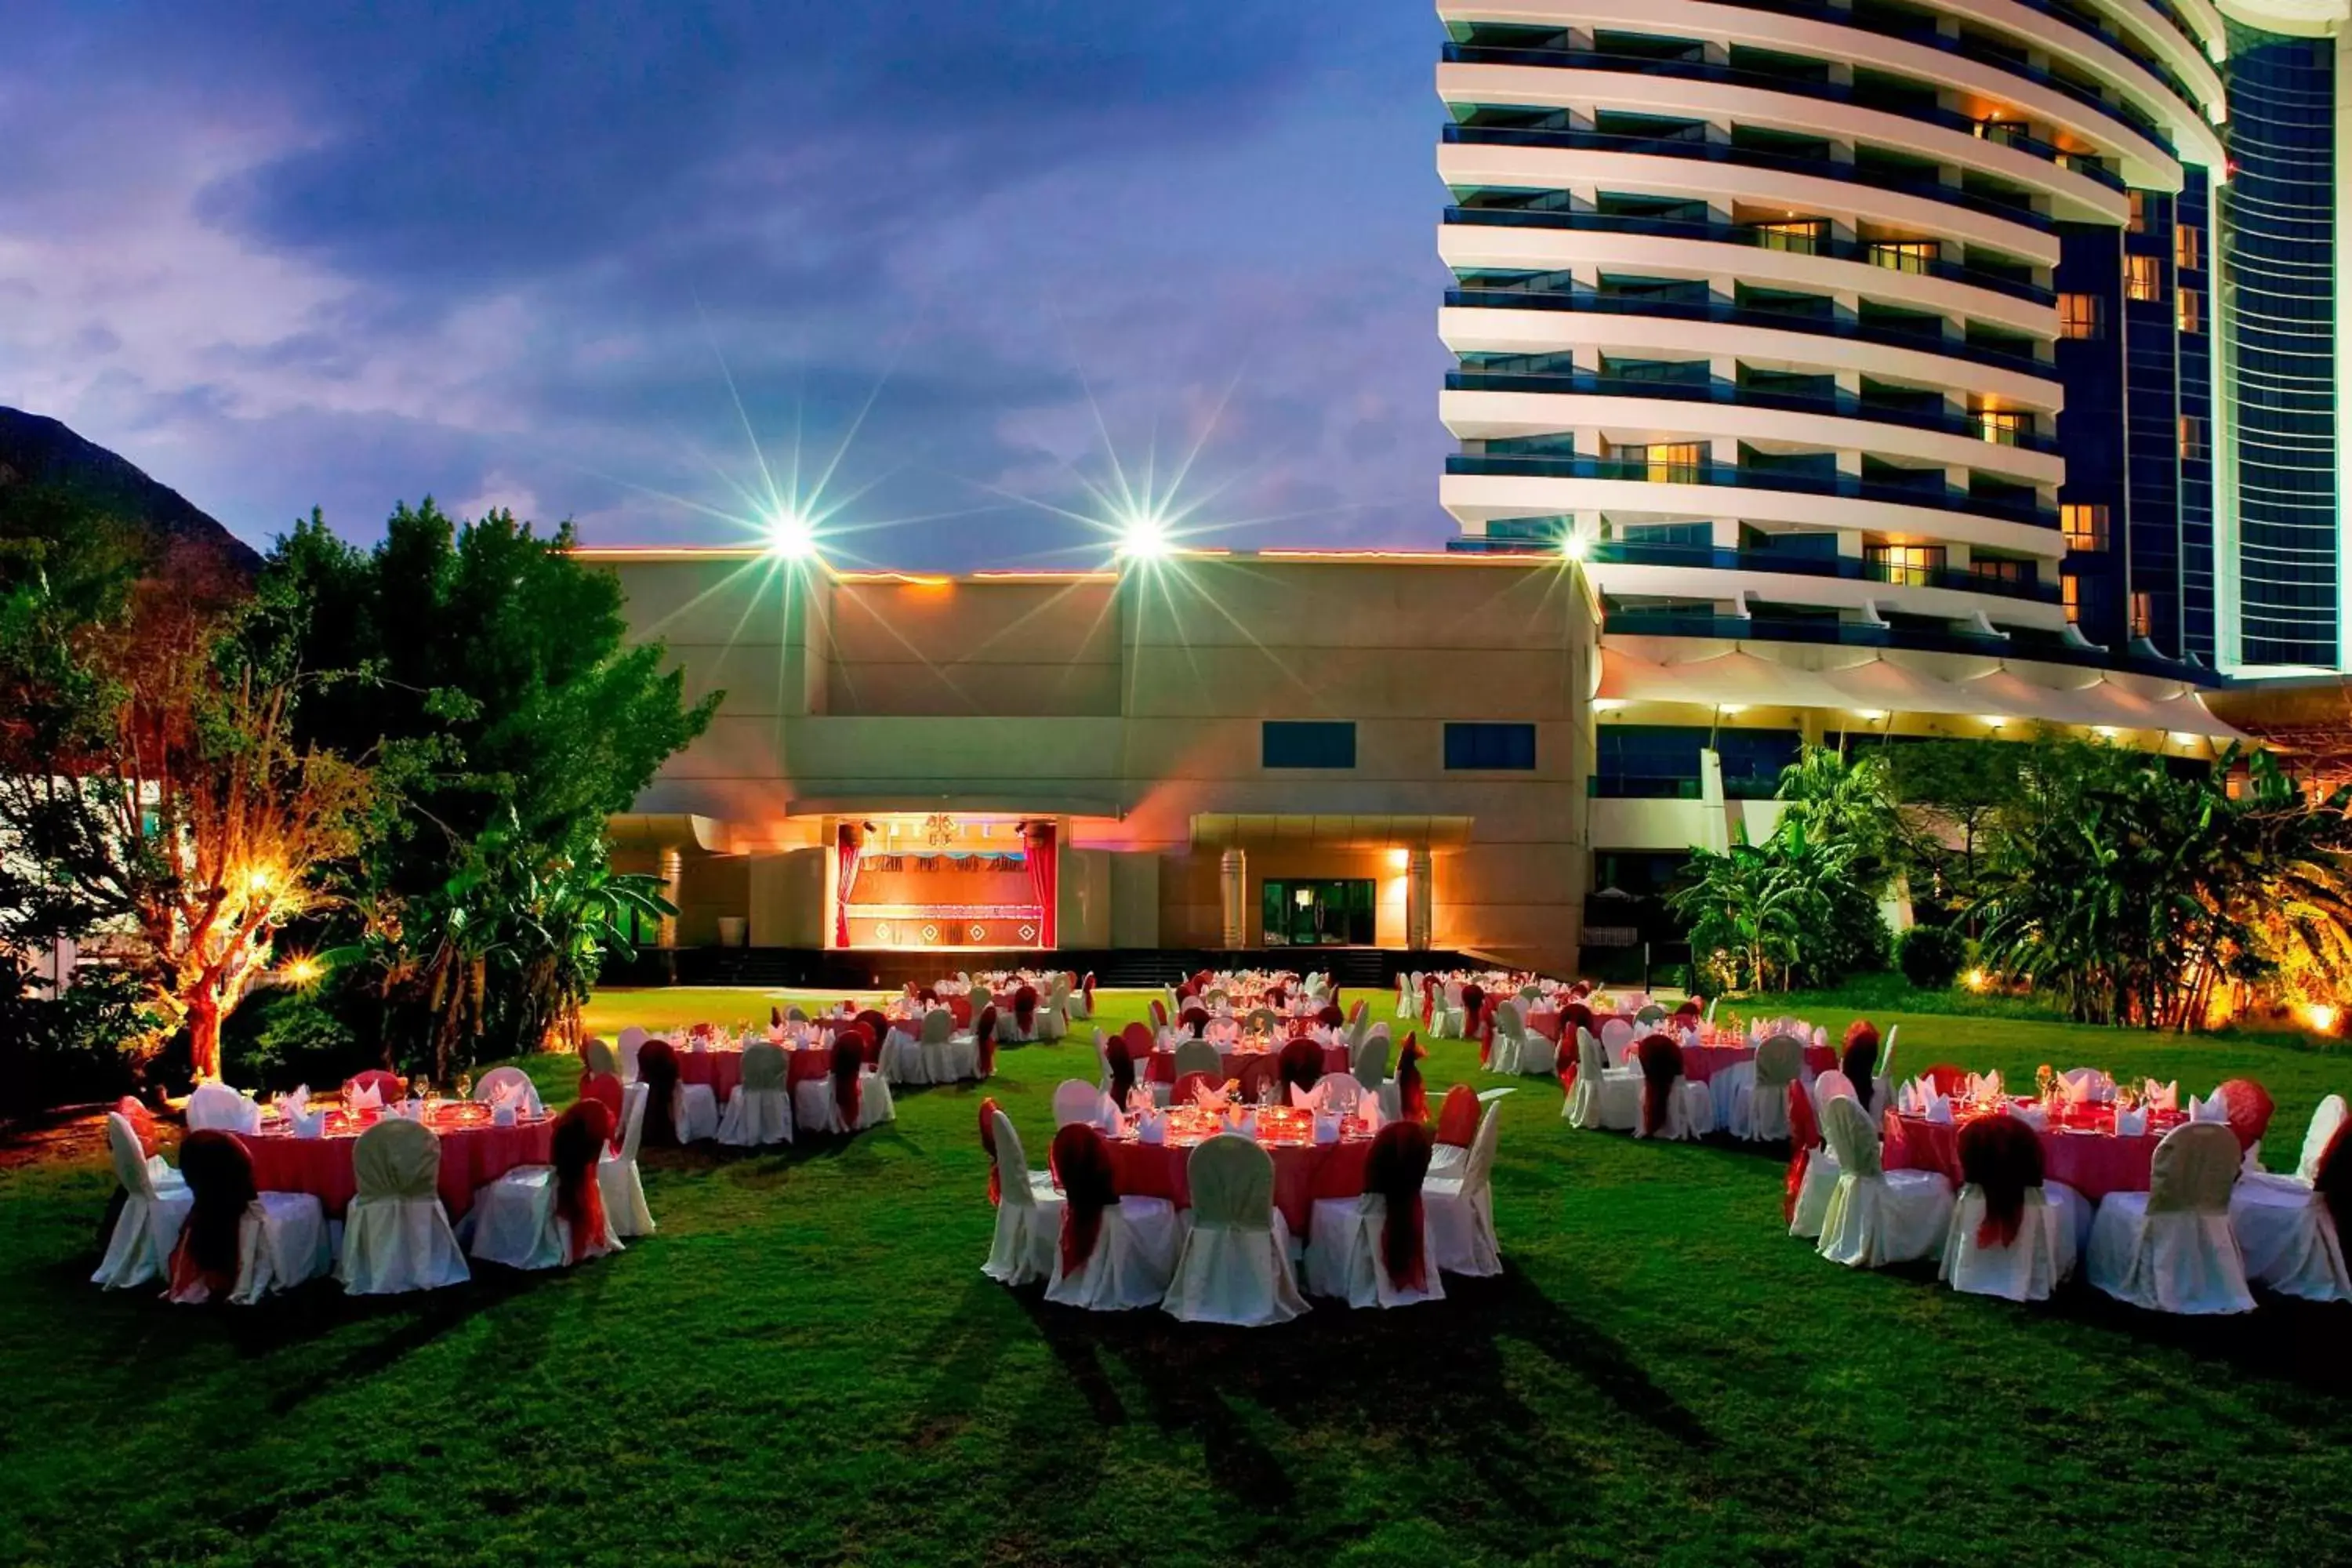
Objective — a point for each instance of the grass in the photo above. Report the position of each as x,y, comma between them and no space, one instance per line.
806,1365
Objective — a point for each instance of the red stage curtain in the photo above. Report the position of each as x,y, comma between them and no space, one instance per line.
847,853
1045,878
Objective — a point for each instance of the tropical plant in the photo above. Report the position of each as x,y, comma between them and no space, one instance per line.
1751,909
1930,956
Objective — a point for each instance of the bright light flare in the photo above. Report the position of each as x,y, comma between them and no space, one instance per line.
1574,546
1144,536
2319,1017
1976,980
302,970
791,535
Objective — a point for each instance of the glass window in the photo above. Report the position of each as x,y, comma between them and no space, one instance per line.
2000,569
1915,564
1804,235
2191,308
1325,912
2143,277
2140,212
1293,745
2002,426
2079,316
2192,437
2070,593
2142,612
1498,746
1904,256
2189,249
1678,463
2086,526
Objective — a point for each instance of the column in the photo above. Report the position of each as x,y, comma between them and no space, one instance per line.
673,874
1233,877
1419,901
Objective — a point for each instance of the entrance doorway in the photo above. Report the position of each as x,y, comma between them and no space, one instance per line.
1325,912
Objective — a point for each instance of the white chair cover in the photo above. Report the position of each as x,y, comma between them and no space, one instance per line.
1075,1099
625,1190
1134,1256
514,1222
1196,1056
516,1081
1690,1111
2170,1248
1369,1059
1342,1092
1511,1034
1459,1207
1813,1193
1235,1267
217,1107
1878,1217
1343,1255
396,1236
1604,1096
1027,1242
947,1057
693,1111
282,1241
813,1104
631,1041
1762,1113
2289,1241
760,1111
1616,1040
140,1249
2028,1269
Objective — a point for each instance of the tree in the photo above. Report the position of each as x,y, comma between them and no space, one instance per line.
152,783
1755,907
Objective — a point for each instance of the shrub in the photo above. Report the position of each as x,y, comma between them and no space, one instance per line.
72,1048
1931,956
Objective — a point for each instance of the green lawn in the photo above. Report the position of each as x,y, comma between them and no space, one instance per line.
806,1366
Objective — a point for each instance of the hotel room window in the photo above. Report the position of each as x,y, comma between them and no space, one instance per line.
2189,249
2191,306
2078,317
2143,277
1495,746
1307,744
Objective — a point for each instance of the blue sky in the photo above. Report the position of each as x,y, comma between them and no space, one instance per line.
613,261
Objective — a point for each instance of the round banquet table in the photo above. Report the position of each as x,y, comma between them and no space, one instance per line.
2085,1154
1230,1059
1302,1173
473,1153
723,1069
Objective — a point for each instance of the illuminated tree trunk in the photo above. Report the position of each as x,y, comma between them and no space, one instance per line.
204,1035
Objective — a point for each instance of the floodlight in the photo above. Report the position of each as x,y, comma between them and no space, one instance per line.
1144,536
790,536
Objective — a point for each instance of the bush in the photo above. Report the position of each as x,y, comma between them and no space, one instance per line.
1931,956
297,1038
70,1049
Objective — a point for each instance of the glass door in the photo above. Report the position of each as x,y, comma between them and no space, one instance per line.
1320,912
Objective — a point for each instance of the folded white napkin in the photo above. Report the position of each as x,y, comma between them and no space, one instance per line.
1307,1099
1939,1108
1327,1129
2079,1090
701,1045
311,1125
1209,1098
2031,1115
1246,1125
2212,1110
295,1103
1151,1129
1368,1111
2161,1096
2131,1123
367,1097
503,1113
1113,1124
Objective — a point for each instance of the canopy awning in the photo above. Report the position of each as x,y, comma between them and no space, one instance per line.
1224,831
667,830
1026,802
1742,679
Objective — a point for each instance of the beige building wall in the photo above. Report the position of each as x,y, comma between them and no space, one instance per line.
1131,708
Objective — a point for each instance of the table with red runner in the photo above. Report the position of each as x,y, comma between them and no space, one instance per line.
1162,1066
474,1153
1302,1173
2080,1148
722,1070
1701,1063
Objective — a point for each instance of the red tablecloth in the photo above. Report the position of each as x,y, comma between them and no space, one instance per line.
1302,1173
2090,1159
722,1070
1701,1063
1162,1065
471,1156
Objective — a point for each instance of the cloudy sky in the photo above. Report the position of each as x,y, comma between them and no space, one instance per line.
967,258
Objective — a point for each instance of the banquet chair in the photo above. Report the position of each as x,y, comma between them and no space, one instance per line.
239,1243
1355,1250
1199,1056
1359,1024
595,1055
984,1044
1075,1099
1019,1023
548,1216
626,1045
214,1107
1538,1054
946,1056
850,1099
1760,1114
1082,999
624,1189
1369,1062
1342,1092
396,1235
1262,1021
1650,1013
1114,1252
1510,1037
1459,1207
760,1111
2008,1238
1878,1217
694,1108
1616,1041
1445,1020
388,1085
1812,1167
1604,1096
2170,1248
1028,1211
796,1013
602,1085
516,1081
1673,1107
1946,1077
153,1210
1301,1064
1054,1017
1408,1001
2249,1106
2287,1225
901,1059
1234,1266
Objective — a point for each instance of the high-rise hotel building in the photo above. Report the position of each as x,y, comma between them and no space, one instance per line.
1996,331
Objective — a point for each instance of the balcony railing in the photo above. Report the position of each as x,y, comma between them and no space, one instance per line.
1731,394
1733,476
2020,644
2007,135
1743,235
2016,212
1846,568
1505,297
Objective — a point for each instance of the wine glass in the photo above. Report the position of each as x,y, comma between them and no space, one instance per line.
465,1086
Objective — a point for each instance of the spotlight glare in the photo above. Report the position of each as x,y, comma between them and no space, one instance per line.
790,536
1574,546
1144,536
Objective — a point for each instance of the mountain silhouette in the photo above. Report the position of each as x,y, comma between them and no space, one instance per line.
38,450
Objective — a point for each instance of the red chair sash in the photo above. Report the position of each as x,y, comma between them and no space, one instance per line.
1661,1070
1138,1039
2249,1106
1257,1072
1457,1119
2333,1179
1025,1008
1804,1135
988,1142
1122,1062
1331,1018
1089,1185
388,1084
220,1173
581,1134
1412,1098
959,1009
1689,1009
1860,1062
1191,1084
1302,1064
131,1108
875,1024
983,1036
658,1070
605,1089
1195,1019
1399,1160
848,1066
2002,1156
1474,1023
1159,1013
1946,1077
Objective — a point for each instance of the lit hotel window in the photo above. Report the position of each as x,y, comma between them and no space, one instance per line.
2140,212
2187,249
1676,464
2143,278
2070,593
2078,316
2192,310
2086,526
2143,614
1804,235
1904,256
2002,426
2192,437
1915,564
